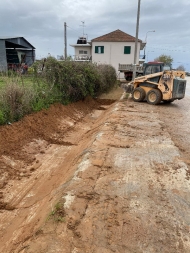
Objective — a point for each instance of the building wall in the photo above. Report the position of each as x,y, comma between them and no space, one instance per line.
114,53
84,48
3,57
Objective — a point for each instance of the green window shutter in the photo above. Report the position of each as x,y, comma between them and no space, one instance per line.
99,49
127,49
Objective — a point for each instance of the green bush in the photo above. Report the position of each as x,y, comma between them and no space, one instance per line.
107,78
76,80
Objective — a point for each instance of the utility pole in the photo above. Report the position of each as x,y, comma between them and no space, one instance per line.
65,40
136,40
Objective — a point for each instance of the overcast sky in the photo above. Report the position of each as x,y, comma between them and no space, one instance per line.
41,22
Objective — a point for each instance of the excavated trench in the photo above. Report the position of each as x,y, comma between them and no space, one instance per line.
25,143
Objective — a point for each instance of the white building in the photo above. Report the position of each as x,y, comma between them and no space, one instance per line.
112,48
82,50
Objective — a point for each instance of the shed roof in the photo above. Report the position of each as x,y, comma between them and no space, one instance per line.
17,42
115,36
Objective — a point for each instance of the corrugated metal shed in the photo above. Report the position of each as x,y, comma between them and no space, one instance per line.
14,51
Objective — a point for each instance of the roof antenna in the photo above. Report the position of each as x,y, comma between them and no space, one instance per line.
83,27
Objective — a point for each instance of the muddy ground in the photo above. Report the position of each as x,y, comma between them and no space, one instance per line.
99,176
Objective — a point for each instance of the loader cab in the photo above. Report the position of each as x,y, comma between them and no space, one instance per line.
154,67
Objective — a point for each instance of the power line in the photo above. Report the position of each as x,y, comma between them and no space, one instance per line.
72,28
171,50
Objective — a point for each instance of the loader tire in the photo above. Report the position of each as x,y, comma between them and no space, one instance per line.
138,94
154,97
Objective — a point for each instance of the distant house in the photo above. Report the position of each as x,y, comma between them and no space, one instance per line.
15,51
112,48
82,50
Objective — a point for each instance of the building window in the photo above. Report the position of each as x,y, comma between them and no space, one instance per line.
99,49
83,52
127,49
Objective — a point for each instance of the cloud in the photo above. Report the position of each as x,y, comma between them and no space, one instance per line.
41,22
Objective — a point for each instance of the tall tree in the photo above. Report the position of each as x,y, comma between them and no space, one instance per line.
167,59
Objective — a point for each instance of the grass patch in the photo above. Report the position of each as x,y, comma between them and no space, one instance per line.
58,213
127,95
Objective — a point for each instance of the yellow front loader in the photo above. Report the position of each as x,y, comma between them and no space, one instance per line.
165,86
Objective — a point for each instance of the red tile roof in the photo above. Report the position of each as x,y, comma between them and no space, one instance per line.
115,36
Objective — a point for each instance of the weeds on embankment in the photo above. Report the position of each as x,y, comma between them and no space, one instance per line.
51,81
58,213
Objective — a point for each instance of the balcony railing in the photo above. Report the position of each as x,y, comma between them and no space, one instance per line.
82,58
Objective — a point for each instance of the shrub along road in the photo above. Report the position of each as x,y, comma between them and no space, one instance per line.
103,177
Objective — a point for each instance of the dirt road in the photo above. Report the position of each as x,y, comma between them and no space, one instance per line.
97,177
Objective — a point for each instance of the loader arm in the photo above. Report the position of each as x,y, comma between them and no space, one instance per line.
147,80
144,78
